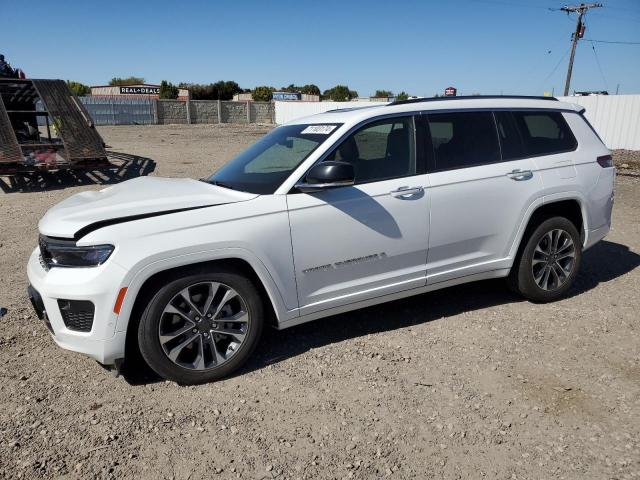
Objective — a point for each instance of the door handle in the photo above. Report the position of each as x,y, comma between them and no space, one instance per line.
406,191
519,175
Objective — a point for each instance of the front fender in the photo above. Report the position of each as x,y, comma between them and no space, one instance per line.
143,272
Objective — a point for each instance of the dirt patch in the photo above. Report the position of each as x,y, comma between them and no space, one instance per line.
627,160
468,382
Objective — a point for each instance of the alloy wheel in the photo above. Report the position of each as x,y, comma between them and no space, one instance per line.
553,259
203,325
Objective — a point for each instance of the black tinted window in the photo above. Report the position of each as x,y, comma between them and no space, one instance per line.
380,150
510,140
545,133
463,139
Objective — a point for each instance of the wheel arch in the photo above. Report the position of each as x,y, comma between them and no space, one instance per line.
571,207
147,282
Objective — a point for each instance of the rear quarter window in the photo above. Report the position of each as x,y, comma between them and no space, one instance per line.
545,133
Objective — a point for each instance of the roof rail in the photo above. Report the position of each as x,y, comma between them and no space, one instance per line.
470,97
349,109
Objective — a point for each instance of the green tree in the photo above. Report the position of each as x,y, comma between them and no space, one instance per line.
126,81
340,93
383,94
80,89
168,90
402,96
226,89
310,89
221,90
200,92
262,94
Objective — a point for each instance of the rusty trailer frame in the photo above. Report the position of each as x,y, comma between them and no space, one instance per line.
71,140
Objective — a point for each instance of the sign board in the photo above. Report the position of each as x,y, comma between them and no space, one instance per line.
450,92
287,96
140,90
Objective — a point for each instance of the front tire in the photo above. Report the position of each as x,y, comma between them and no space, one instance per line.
547,266
201,327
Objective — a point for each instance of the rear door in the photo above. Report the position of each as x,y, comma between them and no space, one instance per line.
548,139
480,189
363,241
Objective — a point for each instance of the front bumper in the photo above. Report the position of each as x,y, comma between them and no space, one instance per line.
99,285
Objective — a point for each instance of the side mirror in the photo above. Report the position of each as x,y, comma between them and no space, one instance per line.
325,175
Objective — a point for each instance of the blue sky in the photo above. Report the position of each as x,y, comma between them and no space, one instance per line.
420,46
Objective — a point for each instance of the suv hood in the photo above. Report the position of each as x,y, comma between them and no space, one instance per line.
133,199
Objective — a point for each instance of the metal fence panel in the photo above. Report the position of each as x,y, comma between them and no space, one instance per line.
287,111
119,111
616,118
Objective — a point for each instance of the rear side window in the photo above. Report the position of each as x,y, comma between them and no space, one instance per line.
545,133
463,139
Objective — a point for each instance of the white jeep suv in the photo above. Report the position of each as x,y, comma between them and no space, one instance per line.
325,214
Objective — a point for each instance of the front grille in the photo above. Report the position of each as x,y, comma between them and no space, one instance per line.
77,314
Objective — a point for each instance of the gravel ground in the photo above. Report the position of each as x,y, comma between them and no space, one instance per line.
468,382
626,160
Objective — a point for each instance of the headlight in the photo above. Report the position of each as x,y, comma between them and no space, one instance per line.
65,253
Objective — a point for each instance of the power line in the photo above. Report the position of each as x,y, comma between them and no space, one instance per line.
510,4
614,17
612,41
536,65
606,86
634,10
556,67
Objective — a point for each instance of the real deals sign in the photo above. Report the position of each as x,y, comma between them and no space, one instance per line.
140,90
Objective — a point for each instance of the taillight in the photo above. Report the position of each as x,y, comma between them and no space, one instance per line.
605,161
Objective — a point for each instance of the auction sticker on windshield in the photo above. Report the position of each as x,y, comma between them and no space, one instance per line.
319,129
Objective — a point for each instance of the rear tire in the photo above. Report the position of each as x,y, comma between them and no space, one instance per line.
548,263
201,327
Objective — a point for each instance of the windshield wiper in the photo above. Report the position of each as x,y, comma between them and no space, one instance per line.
217,183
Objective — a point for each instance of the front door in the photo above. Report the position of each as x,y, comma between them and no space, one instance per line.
367,240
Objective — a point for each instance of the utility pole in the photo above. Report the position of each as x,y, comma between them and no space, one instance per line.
580,10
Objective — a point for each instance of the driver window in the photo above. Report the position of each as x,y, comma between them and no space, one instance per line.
380,150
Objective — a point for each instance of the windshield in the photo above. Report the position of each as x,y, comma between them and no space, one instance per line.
267,163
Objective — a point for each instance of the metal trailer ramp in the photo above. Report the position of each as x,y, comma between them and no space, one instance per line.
9,149
80,138
77,144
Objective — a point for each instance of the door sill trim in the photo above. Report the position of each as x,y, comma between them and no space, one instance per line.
490,274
